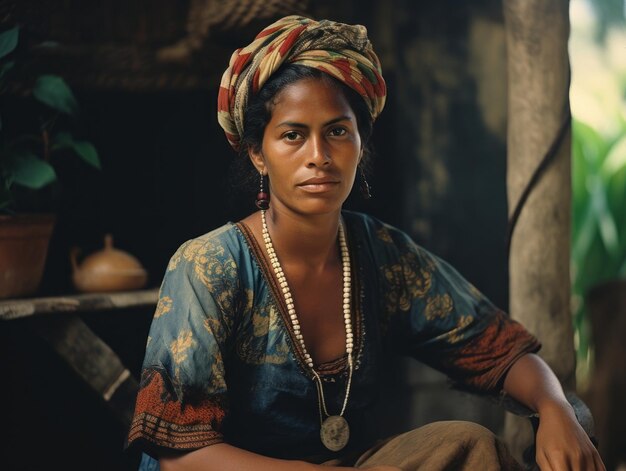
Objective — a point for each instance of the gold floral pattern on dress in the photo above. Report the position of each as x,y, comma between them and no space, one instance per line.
188,251
163,306
457,334
216,328
217,271
180,346
217,376
215,268
438,306
408,280
217,380
224,295
267,344
383,234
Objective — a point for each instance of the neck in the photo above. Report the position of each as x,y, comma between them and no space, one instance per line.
309,240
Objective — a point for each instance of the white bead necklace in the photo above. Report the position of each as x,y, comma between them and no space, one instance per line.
334,429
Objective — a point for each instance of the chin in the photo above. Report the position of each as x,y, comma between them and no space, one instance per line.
319,207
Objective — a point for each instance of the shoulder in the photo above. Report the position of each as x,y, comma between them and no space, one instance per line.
221,240
215,253
379,233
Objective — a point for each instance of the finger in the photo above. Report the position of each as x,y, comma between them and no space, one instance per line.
589,460
543,462
558,461
598,461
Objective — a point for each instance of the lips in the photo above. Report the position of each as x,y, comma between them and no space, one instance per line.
318,181
319,184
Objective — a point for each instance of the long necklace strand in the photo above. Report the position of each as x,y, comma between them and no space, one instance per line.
336,442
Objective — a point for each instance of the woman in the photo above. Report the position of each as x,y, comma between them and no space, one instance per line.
270,335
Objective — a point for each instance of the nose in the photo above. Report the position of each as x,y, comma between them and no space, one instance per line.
319,153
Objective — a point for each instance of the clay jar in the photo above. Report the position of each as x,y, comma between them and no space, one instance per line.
109,269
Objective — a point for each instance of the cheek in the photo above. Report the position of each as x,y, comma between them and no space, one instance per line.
280,175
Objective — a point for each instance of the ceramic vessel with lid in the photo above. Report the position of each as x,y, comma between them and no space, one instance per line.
109,269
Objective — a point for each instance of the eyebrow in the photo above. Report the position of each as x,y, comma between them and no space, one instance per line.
293,124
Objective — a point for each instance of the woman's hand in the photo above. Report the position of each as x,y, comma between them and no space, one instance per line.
562,444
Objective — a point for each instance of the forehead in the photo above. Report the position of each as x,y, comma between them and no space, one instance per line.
310,98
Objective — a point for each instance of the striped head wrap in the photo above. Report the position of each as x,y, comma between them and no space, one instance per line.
340,50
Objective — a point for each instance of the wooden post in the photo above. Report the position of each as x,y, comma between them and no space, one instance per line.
537,32
94,362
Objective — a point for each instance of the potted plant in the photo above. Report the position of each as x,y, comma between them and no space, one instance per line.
28,179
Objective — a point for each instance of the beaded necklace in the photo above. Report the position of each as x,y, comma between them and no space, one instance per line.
334,429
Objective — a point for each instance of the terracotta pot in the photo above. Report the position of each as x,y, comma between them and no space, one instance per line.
109,269
24,243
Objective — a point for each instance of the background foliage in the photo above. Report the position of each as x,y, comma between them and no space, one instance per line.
598,98
27,156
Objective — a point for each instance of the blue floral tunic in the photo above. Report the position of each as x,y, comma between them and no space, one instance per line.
222,363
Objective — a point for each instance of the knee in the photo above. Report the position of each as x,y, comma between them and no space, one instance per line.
463,431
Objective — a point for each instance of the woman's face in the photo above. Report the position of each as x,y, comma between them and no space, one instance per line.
311,148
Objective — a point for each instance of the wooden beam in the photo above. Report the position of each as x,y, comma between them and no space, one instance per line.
19,308
93,361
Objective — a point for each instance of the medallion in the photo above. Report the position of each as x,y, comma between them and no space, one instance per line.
335,432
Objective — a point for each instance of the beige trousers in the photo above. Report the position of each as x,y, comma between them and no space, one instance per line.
440,446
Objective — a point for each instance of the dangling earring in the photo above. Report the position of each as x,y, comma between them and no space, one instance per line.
365,187
262,198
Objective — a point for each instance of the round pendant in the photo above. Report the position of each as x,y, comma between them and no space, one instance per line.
335,432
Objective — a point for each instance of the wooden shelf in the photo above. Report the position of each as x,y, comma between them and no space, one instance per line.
77,303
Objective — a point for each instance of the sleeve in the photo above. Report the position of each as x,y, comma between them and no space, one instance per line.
441,319
182,398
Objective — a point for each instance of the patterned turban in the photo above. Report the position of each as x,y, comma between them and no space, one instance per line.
342,51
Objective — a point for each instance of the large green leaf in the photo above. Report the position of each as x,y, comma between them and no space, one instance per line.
604,217
54,92
614,172
8,41
584,236
598,218
580,195
594,146
616,195
616,157
30,171
593,268
84,149
597,199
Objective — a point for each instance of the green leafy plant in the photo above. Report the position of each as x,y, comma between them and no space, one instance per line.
27,160
599,218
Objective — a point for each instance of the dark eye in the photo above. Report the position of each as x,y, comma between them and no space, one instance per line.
337,132
291,135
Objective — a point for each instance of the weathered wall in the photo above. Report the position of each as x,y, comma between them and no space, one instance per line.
448,67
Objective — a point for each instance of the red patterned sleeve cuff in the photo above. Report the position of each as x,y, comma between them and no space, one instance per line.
482,362
162,420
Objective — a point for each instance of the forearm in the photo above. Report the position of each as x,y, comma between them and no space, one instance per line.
224,457
531,381
561,443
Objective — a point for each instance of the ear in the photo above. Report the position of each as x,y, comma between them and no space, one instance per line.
258,160
361,154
